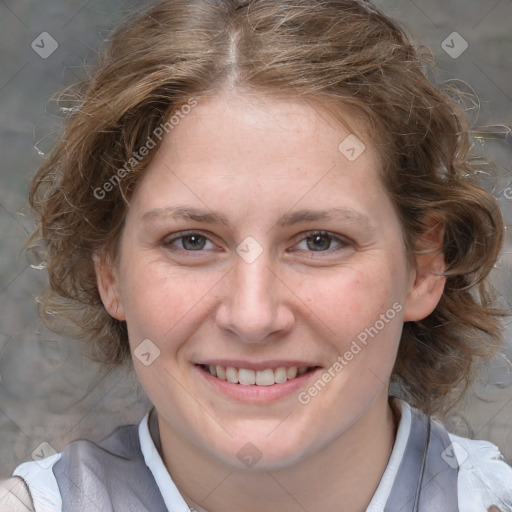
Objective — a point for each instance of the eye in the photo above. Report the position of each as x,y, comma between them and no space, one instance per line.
320,241
191,241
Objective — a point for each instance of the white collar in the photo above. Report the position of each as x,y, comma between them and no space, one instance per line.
383,491
172,497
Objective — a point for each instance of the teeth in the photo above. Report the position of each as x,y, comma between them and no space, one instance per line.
280,375
291,373
232,375
248,377
263,377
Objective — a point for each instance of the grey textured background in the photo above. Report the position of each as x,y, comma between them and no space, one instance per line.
49,393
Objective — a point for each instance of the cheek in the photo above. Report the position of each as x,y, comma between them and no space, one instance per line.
359,311
162,302
351,299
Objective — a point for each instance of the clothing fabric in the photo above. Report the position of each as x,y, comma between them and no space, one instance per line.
429,470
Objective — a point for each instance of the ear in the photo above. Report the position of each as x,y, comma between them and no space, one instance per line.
108,285
427,283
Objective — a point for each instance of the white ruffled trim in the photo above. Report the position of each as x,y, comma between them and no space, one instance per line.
42,484
485,478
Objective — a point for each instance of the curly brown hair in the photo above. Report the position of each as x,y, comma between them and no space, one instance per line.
339,52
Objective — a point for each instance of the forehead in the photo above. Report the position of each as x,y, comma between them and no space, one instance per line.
248,127
252,152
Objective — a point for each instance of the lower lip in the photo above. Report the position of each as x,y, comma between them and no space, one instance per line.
254,393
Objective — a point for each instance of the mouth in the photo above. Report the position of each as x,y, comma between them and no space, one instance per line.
263,377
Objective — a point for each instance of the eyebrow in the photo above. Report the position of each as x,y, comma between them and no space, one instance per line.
308,215
187,213
288,219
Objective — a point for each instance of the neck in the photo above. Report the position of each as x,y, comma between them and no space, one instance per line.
346,471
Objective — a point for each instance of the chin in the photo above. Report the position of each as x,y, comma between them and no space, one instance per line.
265,449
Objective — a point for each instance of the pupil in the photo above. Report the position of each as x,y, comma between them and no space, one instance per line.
194,242
319,242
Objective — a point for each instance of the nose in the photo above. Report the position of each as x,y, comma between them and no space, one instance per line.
255,304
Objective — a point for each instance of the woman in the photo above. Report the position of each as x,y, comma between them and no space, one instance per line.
268,208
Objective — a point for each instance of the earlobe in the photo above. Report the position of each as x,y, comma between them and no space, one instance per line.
108,286
428,281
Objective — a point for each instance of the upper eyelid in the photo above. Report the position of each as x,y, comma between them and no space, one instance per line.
188,232
323,232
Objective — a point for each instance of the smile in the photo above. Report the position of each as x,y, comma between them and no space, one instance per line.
247,377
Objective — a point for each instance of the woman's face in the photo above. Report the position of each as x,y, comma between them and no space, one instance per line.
259,238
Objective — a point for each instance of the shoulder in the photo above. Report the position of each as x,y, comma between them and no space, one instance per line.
45,480
15,496
123,443
485,477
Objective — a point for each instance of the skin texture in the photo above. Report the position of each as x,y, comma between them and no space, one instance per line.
253,160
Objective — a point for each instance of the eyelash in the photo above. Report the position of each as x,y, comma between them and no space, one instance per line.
342,241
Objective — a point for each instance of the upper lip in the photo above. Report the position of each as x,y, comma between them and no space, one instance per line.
261,365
